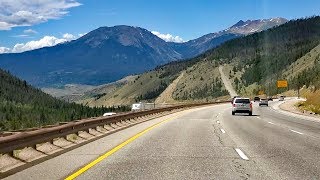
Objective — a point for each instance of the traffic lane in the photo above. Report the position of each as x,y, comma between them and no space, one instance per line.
296,123
189,147
279,152
64,164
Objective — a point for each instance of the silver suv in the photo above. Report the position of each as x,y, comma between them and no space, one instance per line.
241,105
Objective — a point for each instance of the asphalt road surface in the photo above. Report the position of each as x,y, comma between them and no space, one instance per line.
202,143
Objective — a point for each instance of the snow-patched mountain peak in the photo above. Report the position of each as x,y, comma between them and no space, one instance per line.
240,23
252,26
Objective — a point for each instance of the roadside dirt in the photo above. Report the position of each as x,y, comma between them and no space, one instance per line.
166,95
291,107
227,83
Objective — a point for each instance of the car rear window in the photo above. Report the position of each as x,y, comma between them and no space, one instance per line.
244,101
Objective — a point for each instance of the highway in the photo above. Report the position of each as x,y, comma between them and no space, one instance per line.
201,143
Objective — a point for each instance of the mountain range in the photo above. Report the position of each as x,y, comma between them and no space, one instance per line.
253,63
107,54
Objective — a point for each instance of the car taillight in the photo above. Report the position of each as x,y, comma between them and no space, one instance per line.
234,105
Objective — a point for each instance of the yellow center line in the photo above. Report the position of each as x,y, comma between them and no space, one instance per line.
115,149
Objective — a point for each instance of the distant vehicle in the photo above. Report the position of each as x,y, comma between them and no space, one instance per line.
241,105
137,106
109,114
234,98
263,102
256,99
143,106
270,98
281,98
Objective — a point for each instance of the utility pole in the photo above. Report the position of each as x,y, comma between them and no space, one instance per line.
269,93
298,89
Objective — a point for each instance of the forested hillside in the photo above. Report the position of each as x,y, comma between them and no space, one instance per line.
262,57
22,106
199,82
255,62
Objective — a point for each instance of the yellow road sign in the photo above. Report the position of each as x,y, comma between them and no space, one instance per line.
282,83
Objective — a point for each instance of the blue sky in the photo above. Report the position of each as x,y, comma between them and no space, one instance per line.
188,19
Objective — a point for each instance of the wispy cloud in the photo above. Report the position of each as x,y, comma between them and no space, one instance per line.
22,36
168,37
30,31
15,13
27,33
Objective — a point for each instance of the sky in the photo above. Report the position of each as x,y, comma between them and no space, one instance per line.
27,25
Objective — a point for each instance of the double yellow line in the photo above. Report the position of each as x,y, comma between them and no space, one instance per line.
115,149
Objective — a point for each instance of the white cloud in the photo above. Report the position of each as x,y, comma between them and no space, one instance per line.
30,31
46,41
168,37
4,50
15,13
81,34
69,37
5,26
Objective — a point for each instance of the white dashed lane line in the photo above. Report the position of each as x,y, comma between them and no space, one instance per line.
258,117
218,122
289,129
241,154
296,131
223,131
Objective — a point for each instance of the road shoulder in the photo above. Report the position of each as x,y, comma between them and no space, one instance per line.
288,107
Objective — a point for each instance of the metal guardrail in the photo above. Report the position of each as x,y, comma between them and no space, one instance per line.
20,140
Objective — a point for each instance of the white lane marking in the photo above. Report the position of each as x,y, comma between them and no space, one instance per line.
258,117
223,131
296,131
218,122
271,123
241,154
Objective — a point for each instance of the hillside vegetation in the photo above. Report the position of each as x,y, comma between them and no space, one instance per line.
145,87
199,81
22,106
254,62
264,56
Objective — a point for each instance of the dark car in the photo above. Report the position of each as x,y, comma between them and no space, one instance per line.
256,99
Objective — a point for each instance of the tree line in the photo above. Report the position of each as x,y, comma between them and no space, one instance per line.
23,106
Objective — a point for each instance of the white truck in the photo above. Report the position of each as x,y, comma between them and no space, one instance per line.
142,106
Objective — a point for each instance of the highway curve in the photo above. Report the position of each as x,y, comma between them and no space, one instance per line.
201,143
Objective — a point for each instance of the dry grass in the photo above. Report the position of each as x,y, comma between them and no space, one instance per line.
199,75
166,95
312,103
